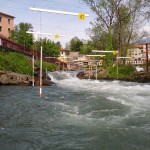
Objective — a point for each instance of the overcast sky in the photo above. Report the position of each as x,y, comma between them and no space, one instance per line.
66,25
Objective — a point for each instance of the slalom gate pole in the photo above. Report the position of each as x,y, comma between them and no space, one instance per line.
41,74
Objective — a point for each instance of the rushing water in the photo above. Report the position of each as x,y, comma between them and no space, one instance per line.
75,114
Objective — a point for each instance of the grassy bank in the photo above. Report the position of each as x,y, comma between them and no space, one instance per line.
19,63
122,71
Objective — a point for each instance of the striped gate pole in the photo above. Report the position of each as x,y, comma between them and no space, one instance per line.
41,73
33,69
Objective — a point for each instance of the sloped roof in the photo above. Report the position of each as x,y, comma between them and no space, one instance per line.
7,15
137,46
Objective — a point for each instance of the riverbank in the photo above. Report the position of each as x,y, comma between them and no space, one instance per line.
140,77
12,78
16,69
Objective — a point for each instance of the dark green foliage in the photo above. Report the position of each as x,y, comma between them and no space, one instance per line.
15,62
124,71
75,44
86,48
49,47
49,66
20,36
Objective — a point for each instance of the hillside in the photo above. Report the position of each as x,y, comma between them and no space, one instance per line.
16,68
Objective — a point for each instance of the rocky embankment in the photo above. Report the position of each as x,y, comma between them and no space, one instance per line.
12,78
140,77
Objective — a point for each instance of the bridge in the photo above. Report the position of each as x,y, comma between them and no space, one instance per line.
13,46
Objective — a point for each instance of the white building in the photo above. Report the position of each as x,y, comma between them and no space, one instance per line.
138,54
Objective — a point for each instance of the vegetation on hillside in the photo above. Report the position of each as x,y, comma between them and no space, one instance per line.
17,62
46,65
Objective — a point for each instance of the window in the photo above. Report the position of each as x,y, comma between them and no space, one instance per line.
8,30
9,21
0,19
0,28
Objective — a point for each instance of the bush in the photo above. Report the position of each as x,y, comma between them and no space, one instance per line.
124,71
49,66
16,62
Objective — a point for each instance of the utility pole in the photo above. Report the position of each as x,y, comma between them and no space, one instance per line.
147,58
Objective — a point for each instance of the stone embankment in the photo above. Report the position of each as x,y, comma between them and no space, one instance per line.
12,78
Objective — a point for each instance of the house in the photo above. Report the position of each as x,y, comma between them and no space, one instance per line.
64,55
6,24
138,54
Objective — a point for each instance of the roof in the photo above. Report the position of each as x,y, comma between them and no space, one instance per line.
6,15
138,46
64,50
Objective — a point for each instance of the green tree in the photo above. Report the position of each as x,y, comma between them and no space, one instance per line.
117,23
20,36
58,44
86,48
50,48
75,44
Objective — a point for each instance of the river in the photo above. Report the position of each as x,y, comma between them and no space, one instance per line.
75,114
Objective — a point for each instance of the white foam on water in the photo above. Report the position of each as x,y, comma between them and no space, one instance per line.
133,95
65,107
122,101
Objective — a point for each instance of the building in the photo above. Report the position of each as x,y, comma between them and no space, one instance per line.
64,55
6,24
138,54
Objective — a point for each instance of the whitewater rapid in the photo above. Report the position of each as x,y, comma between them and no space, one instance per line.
126,93
76,114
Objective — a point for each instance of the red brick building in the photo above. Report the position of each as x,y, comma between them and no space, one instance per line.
6,24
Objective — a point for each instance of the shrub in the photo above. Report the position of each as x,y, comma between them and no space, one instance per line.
123,71
16,62
20,63
49,66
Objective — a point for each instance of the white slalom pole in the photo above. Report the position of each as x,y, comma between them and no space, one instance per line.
89,68
33,69
96,72
41,73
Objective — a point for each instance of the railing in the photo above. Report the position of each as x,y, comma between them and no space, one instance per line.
12,46
135,62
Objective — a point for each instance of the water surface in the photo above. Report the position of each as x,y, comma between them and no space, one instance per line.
75,114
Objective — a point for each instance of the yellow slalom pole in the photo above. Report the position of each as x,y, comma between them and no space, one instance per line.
41,74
